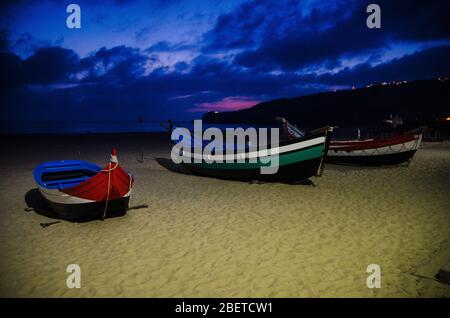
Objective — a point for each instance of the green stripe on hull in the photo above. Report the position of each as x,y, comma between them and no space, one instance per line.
284,159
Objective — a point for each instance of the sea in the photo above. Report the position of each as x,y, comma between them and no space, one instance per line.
72,127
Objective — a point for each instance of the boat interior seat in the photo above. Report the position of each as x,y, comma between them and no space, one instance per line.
61,184
65,178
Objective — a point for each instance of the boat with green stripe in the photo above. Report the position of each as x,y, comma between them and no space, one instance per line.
297,159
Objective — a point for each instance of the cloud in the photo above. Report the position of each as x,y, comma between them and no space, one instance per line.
125,65
4,40
229,103
164,46
415,20
27,44
237,29
427,64
50,65
119,63
45,66
11,74
142,35
57,65
289,35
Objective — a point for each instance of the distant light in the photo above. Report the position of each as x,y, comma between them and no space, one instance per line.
447,119
353,87
216,112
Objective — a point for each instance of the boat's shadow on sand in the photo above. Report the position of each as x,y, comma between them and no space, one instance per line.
37,202
347,167
169,165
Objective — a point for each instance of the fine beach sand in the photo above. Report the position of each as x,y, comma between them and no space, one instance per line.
204,237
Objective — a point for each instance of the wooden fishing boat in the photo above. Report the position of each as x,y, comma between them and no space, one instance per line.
368,152
76,189
298,159
375,152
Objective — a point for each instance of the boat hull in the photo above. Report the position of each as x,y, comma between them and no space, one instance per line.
381,152
297,159
297,171
78,190
68,207
89,210
378,160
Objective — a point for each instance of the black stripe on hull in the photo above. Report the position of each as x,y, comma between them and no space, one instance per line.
378,160
91,210
292,172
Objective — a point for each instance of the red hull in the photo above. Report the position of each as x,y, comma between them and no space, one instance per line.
96,188
370,144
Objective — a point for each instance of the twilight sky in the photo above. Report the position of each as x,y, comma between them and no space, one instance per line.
179,58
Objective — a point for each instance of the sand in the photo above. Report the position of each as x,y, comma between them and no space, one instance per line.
204,237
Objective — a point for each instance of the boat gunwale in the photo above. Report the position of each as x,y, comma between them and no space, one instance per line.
40,170
247,165
267,151
371,143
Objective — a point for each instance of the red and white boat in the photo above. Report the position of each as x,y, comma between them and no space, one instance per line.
76,189
375,152
367,152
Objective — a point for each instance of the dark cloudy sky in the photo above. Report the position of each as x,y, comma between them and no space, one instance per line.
178,59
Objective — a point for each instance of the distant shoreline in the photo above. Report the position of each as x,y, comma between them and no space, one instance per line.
99,134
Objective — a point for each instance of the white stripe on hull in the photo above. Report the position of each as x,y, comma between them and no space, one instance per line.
399,148
260,153
56,196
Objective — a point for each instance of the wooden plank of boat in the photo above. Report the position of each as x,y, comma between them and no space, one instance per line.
76,189
374,152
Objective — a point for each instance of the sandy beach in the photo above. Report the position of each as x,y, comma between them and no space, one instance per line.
204,237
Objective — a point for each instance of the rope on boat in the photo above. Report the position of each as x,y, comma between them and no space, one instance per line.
113,159
109,170
328,131
107,195
319,172
416,146
129,186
